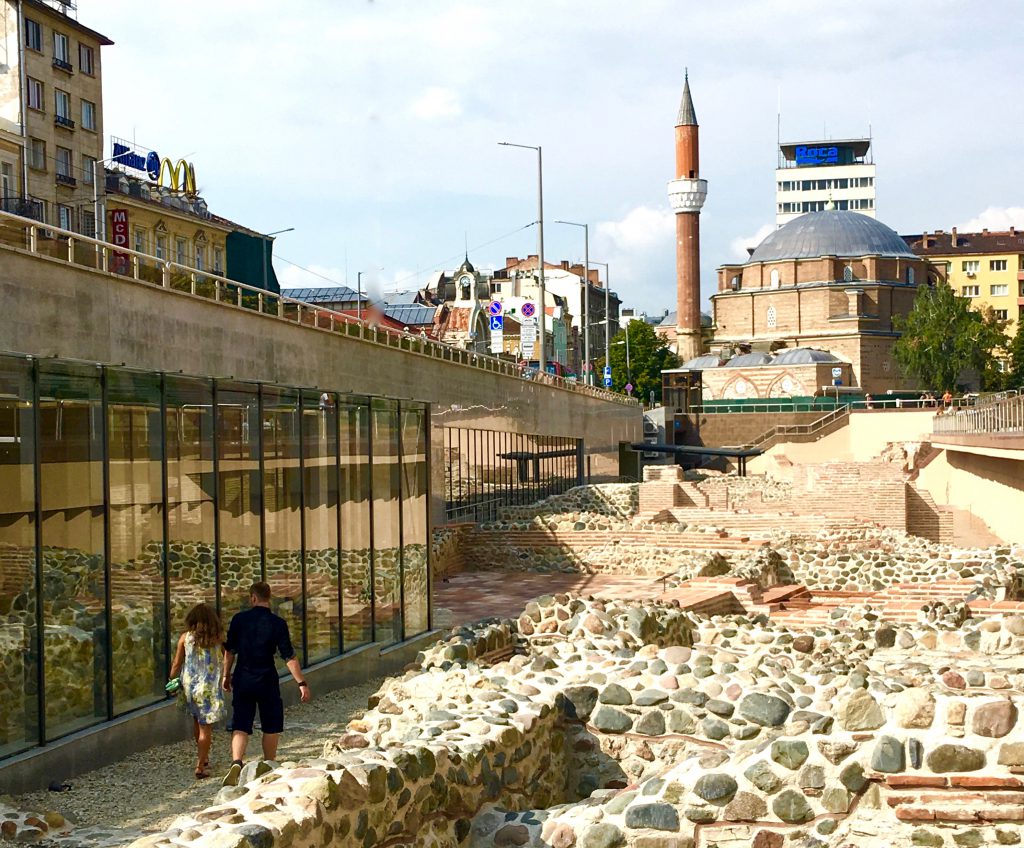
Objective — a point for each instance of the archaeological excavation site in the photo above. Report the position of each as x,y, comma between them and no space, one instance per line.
711,662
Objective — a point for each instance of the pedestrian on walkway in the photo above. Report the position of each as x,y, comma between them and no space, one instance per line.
199,660
254,636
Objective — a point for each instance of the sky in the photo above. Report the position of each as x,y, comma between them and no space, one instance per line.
371,127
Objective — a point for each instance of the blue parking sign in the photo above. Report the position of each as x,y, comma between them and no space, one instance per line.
608,382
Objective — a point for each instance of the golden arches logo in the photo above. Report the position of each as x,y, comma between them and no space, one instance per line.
182,175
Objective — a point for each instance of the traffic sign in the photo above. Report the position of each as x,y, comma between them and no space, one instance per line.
607,382
607,372
837,372
495,308
497,323
629,388
528,309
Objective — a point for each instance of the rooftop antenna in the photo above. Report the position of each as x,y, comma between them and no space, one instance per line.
778,128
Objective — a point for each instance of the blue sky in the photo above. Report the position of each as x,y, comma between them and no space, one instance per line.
372,128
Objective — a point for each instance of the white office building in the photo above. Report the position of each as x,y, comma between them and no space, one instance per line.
815,175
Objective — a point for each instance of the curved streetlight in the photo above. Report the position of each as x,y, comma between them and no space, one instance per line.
265,237
541,357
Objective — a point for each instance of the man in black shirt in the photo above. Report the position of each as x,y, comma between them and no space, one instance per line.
254,636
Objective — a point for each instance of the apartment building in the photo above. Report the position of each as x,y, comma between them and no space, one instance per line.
816,175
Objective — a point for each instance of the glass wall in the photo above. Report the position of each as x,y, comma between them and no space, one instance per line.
126,497
19,634
74,587
387,522
136,516
320,517
356,523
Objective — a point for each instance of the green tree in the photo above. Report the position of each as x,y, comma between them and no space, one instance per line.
1015,376
649,355
942,338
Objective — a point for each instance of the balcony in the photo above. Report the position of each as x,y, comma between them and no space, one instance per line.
1020,276
66,179
26,207
61,121
63,65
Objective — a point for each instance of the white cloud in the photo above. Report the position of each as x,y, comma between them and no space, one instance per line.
640,251
641,229
996,218
738,246
436,103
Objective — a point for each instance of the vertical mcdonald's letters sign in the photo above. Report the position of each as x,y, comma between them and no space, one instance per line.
119,236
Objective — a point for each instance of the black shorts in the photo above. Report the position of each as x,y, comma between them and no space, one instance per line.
267,700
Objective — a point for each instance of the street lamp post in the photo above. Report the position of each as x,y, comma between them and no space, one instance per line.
607,317
541,358
629,369
588,375
267,236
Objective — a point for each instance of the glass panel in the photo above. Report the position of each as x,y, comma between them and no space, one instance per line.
135,444
354,487
19,636
415,497
387,564
238,495
74,590
282,502
320,481
191,568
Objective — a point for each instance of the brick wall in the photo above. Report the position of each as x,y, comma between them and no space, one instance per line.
926,519
740,428
873,491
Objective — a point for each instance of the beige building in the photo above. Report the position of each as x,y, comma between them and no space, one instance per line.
51,114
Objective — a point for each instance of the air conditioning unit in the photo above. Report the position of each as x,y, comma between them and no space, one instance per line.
972,274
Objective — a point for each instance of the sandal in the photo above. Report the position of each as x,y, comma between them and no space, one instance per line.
203,770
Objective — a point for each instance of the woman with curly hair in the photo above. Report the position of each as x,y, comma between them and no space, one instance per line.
200,661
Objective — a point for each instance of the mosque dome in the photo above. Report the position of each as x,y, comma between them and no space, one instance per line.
803,356
831,233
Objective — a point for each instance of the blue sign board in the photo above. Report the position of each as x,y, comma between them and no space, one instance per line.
607,382
150,163
497,323
814,155
494,308
607,371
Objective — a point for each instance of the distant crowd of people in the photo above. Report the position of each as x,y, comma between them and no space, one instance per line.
925,401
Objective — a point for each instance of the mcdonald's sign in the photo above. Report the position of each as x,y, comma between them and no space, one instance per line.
182,175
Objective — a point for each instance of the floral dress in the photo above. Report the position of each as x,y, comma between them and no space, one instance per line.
200,681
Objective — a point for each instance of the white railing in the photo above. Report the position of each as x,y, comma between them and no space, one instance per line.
999,413
83,251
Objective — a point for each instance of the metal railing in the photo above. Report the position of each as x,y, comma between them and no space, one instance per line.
999,413
76,249
780,431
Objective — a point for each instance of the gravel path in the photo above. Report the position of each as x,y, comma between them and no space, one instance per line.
146,791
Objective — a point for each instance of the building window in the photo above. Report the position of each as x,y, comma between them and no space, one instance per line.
35,94
88,223
63,103
997,265
848,274
970,266
774,278
218,260
181,251
61,51
161,247
65,166
88,115
140,240
910,276
1001,314
970,291
33,35
771,318
200,256
88,169
63,216
37,159
999,291
85,59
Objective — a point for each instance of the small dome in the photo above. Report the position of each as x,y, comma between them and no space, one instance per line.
803,356
709,360
831,233
747,360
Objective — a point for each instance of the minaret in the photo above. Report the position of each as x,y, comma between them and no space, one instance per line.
687,193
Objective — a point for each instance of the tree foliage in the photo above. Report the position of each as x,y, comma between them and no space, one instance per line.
943,340
649,355
1015,375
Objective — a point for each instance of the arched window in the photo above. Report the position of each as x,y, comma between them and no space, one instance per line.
771,318
775,278
848,274
910,276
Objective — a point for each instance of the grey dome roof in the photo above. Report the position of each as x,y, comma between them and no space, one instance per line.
709,360
831,233
803,356
746,360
